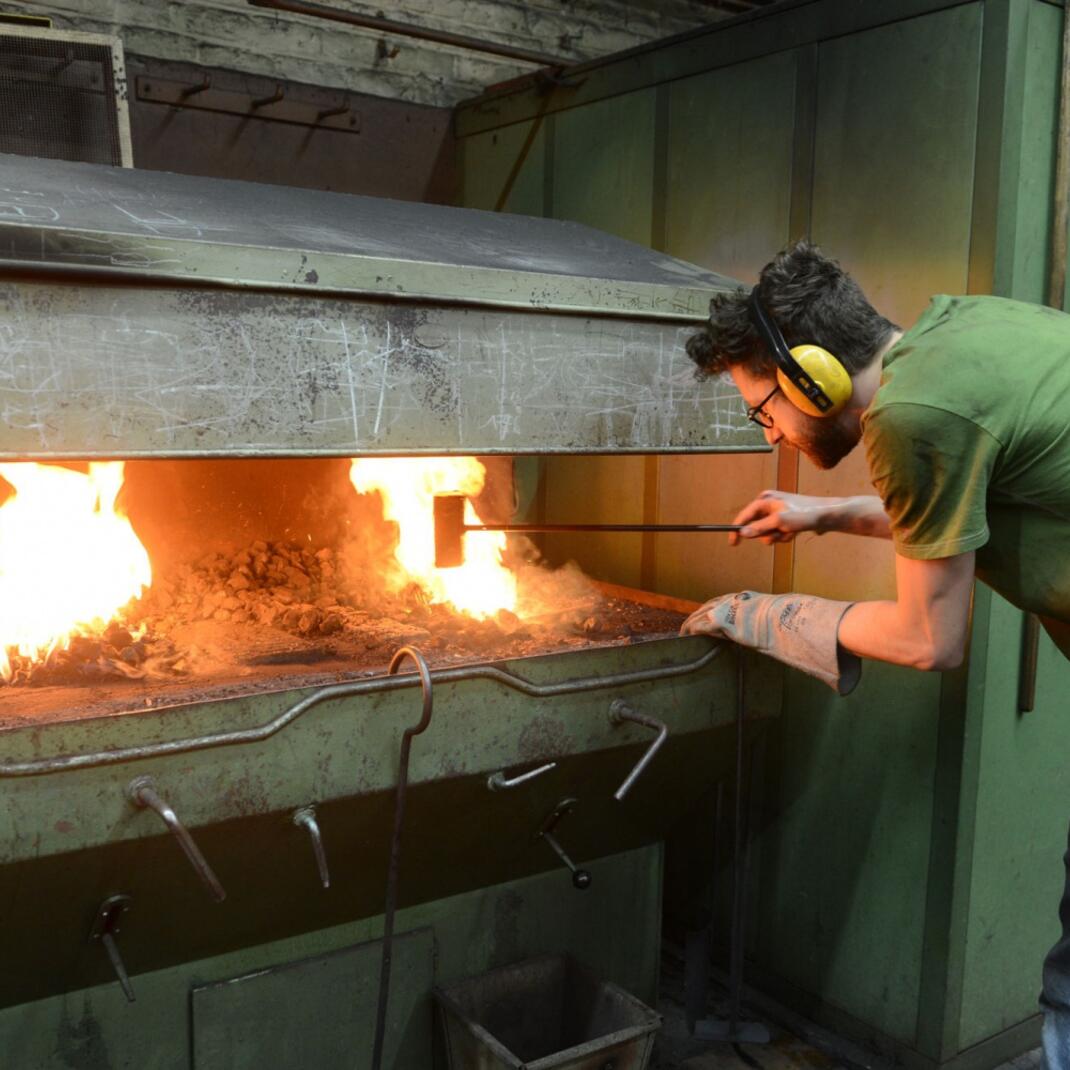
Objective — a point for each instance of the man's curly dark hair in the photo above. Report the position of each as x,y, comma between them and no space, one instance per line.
811,299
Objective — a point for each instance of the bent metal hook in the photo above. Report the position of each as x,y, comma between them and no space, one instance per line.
395,843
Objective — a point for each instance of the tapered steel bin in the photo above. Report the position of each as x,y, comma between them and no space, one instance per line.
549,1013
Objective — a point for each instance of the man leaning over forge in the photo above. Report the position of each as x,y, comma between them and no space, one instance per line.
965,420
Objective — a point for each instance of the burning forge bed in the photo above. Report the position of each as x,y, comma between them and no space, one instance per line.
226,410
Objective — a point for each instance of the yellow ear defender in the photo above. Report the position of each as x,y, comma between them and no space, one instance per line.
810,377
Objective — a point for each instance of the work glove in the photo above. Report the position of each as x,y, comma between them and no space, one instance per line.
797,629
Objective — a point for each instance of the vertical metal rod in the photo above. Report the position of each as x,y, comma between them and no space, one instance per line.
735,962
395,846
1061,206
1027,666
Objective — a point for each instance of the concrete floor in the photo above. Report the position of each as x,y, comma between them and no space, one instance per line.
802,1047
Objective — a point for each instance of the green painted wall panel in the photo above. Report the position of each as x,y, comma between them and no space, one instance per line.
705,490
1036,126
488,160
596,490
727,199
1022,810
603,165
892,201
845,853
603,175
729,162
1023,789
897,117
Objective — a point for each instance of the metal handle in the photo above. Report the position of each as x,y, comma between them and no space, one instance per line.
141,791
499,781
306,818
581,879
105,926
619,713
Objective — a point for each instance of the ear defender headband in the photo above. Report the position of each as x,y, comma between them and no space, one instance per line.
810,377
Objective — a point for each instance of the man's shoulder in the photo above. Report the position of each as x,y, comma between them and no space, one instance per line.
892,429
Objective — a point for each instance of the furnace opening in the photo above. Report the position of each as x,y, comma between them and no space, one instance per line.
158,581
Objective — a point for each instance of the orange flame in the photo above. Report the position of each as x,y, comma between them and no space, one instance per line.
479,587
68,560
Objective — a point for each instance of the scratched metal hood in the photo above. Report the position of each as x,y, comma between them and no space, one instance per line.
151,314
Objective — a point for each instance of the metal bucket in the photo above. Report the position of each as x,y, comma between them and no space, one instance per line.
549,1013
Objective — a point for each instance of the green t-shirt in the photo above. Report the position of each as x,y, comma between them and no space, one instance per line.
968,441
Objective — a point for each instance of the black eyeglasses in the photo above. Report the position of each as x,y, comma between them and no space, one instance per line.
756,413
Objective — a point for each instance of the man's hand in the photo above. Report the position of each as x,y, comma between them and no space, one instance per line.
776,516
797,629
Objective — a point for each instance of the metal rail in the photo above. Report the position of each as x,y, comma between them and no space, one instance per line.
66,762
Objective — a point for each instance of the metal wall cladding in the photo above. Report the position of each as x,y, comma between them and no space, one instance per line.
115,371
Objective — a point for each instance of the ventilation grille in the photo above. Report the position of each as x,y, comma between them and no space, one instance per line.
63,96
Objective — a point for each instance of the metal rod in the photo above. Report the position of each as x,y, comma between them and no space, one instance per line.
1027,663
735,964
66,762
524,529
395,842
1030,650
408,29
1061,205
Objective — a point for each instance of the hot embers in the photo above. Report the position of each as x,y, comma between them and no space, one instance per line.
283,608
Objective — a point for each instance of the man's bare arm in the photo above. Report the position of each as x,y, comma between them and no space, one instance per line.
776,516
926,626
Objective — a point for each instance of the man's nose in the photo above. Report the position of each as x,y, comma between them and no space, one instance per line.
772,435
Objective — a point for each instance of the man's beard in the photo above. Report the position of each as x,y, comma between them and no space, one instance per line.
827,442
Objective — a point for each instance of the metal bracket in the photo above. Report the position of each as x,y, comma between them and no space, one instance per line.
277,107
105,927
200,87
273,98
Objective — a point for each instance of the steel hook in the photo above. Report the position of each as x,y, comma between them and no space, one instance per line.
395,842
